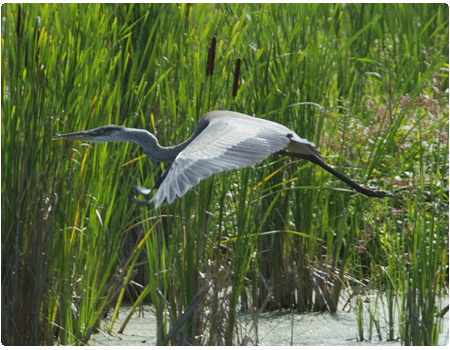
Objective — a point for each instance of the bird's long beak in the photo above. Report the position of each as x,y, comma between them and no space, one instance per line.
80,135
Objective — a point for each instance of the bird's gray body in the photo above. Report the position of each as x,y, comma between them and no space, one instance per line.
226,140
222,140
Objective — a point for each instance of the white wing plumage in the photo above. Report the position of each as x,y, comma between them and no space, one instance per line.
226,143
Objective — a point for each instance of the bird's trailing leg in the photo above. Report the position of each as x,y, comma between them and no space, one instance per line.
366,190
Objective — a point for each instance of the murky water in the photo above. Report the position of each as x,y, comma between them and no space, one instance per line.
274,328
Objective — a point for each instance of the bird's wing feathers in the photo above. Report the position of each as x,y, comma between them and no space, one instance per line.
222,145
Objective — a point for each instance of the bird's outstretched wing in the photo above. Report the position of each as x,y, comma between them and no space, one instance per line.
226,143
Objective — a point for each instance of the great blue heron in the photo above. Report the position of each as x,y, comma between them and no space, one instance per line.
222,140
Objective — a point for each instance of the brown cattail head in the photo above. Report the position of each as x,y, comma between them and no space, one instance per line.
211,57
18,26
237,71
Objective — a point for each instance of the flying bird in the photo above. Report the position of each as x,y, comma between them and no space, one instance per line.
222,140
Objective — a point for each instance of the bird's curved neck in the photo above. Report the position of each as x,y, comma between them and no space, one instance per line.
151,146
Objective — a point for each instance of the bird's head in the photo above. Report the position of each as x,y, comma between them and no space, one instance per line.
107,133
